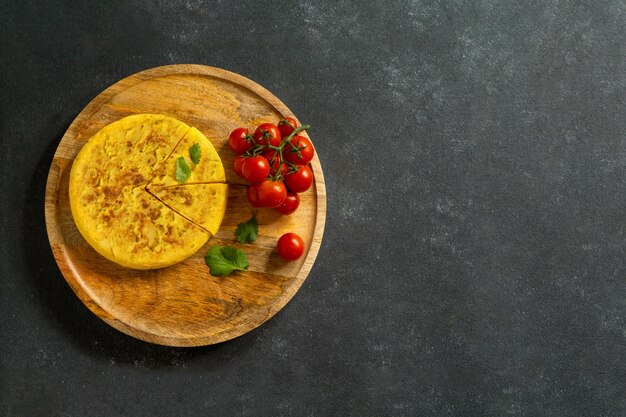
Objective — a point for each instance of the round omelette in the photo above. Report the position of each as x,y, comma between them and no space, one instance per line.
125,197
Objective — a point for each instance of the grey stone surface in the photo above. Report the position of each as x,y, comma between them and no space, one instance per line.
473,261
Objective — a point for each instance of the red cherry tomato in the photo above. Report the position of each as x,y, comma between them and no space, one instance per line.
287,125
274,164
271,193
291,203
300,180
290,246
252,193
274,160
267,131
269,154
301,145
255,169
238,164
237,140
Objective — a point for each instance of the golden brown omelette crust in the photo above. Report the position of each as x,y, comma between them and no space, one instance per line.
109,201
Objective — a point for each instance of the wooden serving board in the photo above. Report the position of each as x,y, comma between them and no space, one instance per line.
183,305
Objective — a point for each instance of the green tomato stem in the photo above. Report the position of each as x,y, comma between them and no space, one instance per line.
279,149
292,134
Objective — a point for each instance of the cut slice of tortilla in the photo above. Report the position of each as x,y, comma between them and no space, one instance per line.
201,204
209,168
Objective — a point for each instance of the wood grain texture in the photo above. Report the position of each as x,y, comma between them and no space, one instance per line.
183,305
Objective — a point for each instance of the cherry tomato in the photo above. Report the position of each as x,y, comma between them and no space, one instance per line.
237,140
274,160
255,169
301,180
303,146
275,163
287,125
267,131
290,246
238,164
271,193
269,154
291,203
252,193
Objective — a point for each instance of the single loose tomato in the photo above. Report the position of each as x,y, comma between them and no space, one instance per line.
271,193
290,246
238,164
291,203
300,180
265,132
252,193
255,169
287,125
239,140
299,150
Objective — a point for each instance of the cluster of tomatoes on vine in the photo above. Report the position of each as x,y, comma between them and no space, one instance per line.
274,159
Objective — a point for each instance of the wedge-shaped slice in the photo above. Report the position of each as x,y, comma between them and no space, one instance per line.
208,169
202,204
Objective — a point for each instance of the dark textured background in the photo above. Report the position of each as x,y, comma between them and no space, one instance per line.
473,261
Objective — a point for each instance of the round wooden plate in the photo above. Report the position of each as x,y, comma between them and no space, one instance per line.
183,305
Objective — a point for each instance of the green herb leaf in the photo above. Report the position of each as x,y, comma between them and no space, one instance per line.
224,260
183,172
248,232
194,153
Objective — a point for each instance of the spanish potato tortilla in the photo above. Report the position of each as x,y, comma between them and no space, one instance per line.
120,212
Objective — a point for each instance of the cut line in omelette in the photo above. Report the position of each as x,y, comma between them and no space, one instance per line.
201,204
208,169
